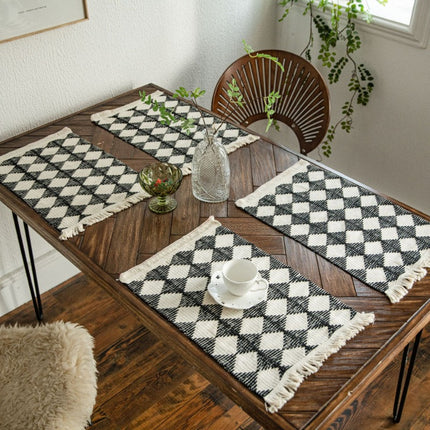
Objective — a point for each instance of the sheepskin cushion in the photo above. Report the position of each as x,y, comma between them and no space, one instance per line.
47,377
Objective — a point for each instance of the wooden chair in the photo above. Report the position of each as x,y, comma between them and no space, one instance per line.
304,104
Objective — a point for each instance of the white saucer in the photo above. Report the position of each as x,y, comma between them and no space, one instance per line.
222,296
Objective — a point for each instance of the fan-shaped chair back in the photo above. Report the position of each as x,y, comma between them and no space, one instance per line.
304,104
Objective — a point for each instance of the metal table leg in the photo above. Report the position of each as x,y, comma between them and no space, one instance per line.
31,278
400,398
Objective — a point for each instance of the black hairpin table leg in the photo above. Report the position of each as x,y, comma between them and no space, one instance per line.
31,278
400,398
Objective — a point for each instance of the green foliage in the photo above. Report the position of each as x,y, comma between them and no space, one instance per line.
186,124
235,98
336,70
250,51
270,100
340,29
166,115
269,104
234,94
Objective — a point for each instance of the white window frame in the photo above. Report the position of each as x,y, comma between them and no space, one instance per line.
415,34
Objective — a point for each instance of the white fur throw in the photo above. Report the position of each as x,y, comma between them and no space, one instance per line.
47,377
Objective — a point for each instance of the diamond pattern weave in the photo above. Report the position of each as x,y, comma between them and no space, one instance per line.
69,182
270,347
140,126
376,241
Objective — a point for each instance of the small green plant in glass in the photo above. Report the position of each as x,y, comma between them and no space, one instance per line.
161,180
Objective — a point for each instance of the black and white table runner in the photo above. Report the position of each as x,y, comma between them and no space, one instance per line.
271,347
376,241
139,125
70,182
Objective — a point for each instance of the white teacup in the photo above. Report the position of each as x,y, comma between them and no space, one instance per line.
241,276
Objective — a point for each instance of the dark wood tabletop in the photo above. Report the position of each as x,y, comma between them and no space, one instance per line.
107,248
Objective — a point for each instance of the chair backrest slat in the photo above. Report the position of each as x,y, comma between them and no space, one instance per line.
304,104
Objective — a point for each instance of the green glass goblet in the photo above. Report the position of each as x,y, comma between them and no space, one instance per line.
161,180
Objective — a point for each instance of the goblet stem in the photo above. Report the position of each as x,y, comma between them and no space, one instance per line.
162,205
161,200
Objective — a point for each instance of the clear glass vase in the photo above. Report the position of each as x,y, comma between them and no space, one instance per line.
211,170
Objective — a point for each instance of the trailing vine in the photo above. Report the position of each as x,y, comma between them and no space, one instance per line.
332,32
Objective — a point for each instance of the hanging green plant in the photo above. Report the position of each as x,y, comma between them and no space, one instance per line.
340,29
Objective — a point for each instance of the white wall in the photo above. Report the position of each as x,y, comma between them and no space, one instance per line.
124,44
52,267
389,147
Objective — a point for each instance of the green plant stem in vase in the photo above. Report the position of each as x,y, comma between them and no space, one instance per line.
210,170
161,180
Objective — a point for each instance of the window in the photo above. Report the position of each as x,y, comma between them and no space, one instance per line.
403,20
396,10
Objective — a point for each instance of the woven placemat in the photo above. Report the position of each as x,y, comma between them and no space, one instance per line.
139,125
70,182
376,241
270,347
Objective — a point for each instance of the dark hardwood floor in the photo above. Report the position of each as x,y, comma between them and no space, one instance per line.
143,385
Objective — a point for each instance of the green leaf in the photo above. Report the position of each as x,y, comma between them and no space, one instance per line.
181,92
197,93
269,124
249,50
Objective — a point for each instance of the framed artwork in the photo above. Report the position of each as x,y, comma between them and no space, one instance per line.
20,18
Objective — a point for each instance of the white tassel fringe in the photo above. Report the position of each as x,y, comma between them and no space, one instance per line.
103,214
293,377
400,287
185,242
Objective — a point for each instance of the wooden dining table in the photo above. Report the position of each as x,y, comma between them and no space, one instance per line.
114,245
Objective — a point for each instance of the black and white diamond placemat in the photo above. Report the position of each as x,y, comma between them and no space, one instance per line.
136,123
271,347
70,182
376,241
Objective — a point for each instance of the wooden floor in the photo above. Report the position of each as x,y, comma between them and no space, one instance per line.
143,385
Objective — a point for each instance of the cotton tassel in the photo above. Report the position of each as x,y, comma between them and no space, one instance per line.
270,186
293,377
186,170
106,114
185,242
242,141
41,143
400,287
74,230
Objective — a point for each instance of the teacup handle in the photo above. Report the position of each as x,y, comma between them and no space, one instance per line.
260,284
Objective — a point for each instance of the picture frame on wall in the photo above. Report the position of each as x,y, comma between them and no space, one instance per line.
21,18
